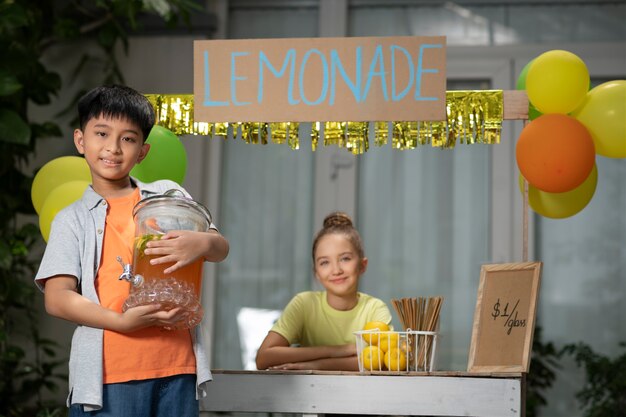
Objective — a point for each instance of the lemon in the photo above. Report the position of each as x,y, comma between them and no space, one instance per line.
372,338
395,359
372,358
388,340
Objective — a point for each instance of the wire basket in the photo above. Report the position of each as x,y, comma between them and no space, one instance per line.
390,351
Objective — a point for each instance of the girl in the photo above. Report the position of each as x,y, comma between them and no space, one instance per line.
322,322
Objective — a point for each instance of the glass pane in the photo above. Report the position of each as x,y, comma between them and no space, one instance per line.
269,22
490,24
558,23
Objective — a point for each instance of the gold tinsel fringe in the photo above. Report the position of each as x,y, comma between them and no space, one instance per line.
473,117
279,132
294,135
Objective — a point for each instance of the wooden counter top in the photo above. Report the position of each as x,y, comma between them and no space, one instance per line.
439,393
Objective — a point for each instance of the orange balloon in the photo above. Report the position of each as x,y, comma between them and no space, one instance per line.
555,153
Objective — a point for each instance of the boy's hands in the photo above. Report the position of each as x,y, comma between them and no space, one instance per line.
178,248
183,247
62,300
149,315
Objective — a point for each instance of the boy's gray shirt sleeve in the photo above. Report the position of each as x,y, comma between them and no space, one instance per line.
62,255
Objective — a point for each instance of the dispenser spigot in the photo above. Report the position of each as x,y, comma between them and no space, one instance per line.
135,280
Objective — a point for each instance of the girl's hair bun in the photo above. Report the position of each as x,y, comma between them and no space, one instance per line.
339,223
337,219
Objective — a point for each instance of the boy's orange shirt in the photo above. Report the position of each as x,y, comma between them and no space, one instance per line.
147,353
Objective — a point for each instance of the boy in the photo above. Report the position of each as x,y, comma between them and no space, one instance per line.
121,364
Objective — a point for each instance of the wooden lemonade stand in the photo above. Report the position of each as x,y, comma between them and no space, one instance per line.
493,386
340,72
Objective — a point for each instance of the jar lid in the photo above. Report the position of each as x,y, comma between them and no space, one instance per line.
174,198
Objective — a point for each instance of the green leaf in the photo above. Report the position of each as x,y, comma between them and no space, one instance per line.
13,128
8,83
66,28
29,230
107,36
47,83
46,130
14,16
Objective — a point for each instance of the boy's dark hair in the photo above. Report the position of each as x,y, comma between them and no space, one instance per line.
117,101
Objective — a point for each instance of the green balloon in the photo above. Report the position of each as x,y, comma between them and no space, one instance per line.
533,113
521,80
166,159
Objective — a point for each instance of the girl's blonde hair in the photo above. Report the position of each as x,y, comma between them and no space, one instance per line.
339,222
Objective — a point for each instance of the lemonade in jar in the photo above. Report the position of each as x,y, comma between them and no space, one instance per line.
154,217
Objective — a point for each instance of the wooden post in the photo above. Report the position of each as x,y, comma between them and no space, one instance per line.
525,218
516,108
525,224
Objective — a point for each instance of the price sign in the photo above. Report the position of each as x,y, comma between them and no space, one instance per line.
510,319
504,317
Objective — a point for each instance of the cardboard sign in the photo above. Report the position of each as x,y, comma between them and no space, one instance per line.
504,319
320,79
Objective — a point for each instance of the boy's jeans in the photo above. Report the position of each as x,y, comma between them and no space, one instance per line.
159,397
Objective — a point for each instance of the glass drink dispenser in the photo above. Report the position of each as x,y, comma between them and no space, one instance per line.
154,217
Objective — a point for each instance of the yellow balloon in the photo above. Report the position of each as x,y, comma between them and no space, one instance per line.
59,198
603,113
557,82
561,205
55,173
